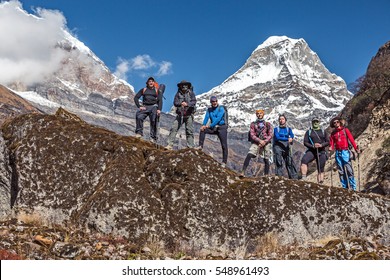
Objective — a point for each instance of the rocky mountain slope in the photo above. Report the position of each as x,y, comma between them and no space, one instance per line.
70,173
12,105
282,75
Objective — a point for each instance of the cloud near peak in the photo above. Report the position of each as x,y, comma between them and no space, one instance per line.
142,65
28,52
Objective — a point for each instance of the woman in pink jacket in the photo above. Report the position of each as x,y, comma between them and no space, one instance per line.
340,141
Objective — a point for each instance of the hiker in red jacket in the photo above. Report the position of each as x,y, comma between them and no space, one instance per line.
340,140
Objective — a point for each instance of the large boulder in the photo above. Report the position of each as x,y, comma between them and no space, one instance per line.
70,172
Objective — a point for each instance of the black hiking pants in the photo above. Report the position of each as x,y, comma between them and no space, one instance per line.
283,156
221,132
151,111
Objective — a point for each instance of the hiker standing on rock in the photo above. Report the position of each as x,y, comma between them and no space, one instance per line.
215,122
340,140
151,106
283,139
316,141
184,102
260,137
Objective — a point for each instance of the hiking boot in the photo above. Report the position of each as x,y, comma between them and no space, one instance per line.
153,141
169,147
138,136
242,173
198,148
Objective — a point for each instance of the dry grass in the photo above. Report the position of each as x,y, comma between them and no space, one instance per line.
32,219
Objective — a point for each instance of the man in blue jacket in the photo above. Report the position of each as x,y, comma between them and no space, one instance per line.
215,122
283,139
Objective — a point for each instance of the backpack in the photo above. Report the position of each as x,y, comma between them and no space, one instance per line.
158,88
352,154
267,126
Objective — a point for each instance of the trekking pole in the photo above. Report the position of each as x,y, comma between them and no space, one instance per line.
358,156
318,166
331,174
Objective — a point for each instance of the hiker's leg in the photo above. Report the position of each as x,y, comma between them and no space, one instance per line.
306,159
266,157
340,167
189,121
222,135
247,160
174,129
320,176
291,169
140,116
278,160
153,121
202,135
348,174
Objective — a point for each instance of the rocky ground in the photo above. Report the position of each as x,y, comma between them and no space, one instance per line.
30,240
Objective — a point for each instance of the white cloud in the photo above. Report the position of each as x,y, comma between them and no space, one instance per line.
142,65
27,49
165,68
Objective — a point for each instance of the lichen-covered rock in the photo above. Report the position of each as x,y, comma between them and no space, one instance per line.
73,173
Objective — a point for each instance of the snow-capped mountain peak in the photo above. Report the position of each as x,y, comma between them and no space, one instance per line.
282,75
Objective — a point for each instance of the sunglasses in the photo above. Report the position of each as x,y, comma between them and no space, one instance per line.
214,101
336,122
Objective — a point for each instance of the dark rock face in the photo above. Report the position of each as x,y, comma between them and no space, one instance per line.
71,172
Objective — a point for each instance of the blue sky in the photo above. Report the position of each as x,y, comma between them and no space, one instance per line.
205,41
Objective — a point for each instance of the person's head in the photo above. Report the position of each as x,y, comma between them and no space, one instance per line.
184,86
150,82
336,122
214,101
260,113
282,120
315,123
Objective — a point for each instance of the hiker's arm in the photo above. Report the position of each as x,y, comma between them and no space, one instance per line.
350,137
331,143
306,141
192,102
254,134
137,97
159,102
176,100
206,118
268,136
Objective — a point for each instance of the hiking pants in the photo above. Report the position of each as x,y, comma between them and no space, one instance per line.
282,155
189,125
140,116
309,156
221,132
345,169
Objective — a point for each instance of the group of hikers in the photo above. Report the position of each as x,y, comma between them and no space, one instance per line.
265,140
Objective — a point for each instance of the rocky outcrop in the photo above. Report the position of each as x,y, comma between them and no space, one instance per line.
70,172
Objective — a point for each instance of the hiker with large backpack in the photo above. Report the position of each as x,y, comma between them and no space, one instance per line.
215,122
260,136
283,139
151,106
316,141
184,102
342,141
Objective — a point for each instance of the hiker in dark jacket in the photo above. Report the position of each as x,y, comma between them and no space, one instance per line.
316,141
283,139
184,102
340,140
151,106
260,136
214,123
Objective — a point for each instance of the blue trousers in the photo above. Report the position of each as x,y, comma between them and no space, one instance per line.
345,169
